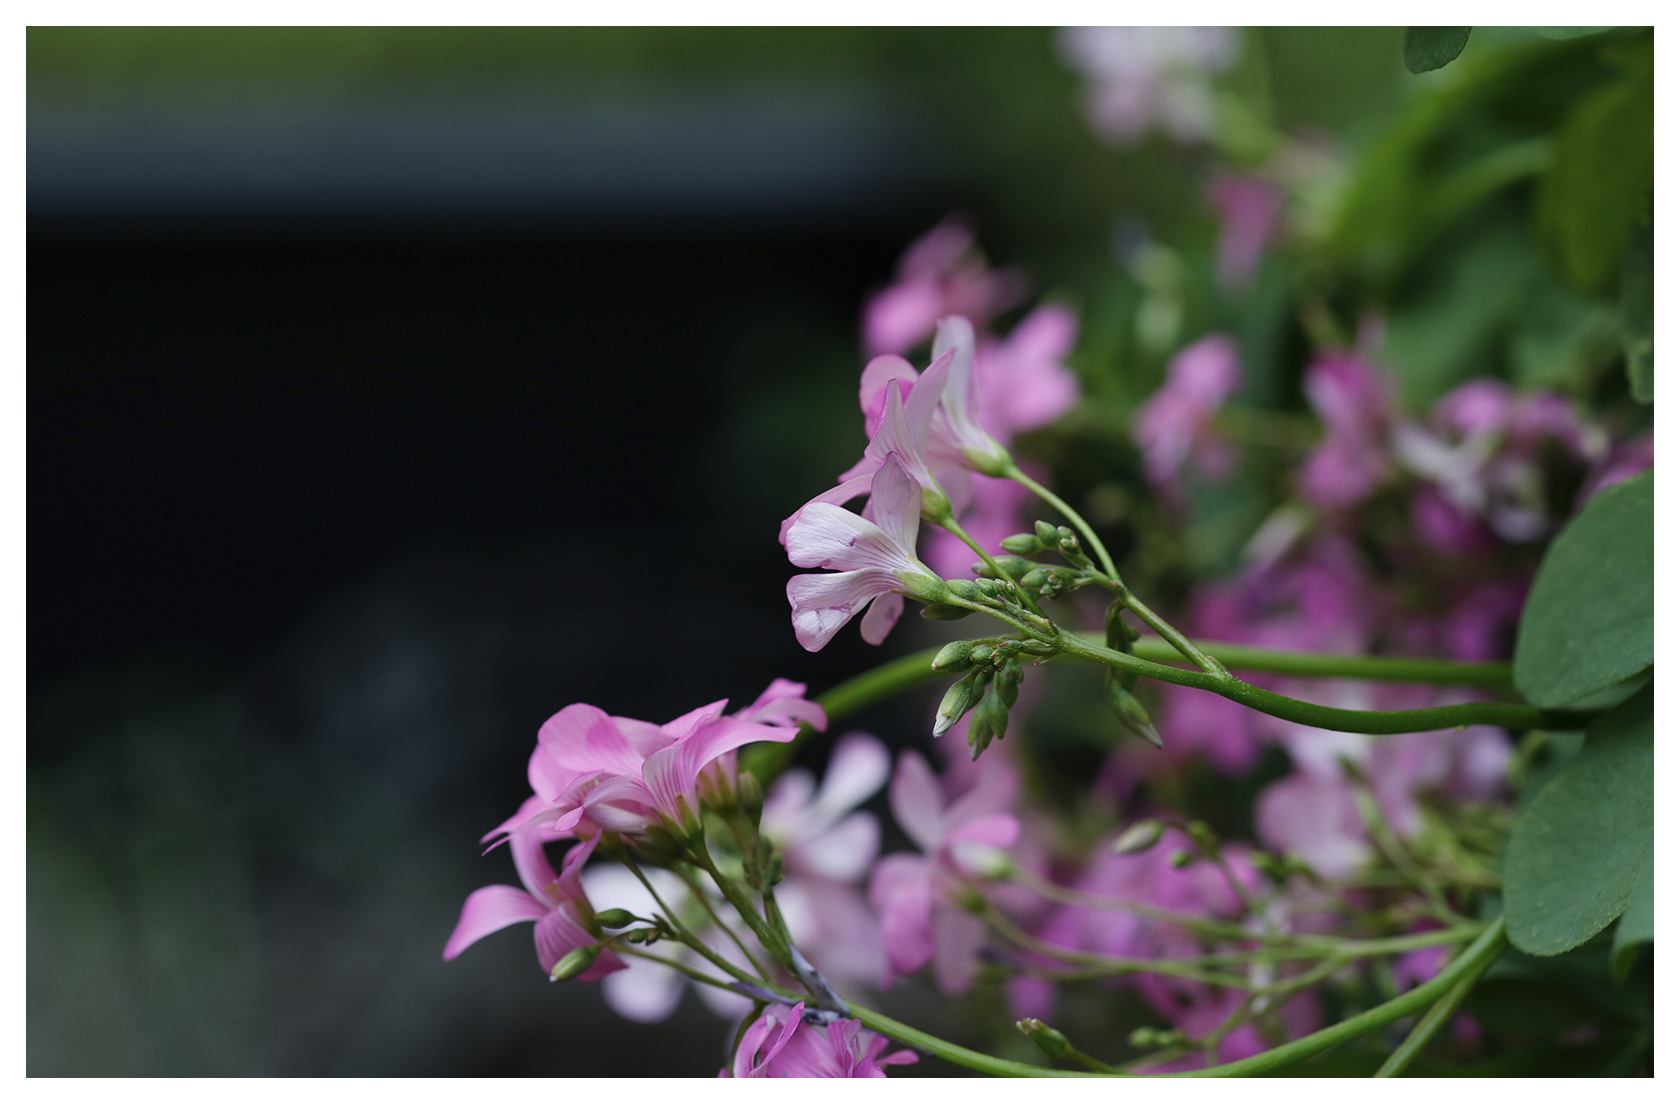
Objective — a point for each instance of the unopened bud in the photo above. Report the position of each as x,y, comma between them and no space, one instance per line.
1035,579
574,962
1139,837
1052,1042
643,935
965,589
1203,837
1008,683
1046,533
616,918
1181,859
954,657
1014,566
1133,717
988,722
958,700
1023,544
982,653
944,611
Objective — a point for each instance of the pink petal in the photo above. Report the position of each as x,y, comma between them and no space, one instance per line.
559,933
843,852
882,615
531,862
489,910
918,802
957,940
878,374
994,829
822,604
827,536
905,903
583,738
676,770
897,500
643,992
783,702
857,769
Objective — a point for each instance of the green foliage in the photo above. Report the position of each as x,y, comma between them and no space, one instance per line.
1430,48
1579,851
1588,623
1638,924
1600,180
1638,278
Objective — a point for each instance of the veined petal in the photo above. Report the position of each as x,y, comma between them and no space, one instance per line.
559,933
532,862
955,335
489,910
685,725
822,604
571,870
923,399
852,484
583,738
897,499
548,778
857,769
783,702
676,770
878,375
622,804
828,536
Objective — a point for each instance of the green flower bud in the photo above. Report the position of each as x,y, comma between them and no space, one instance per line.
1035,579
1014,566
988,722
1052,1042
966,590
1023,544
1181,859
1008,683
1142,1038
574,962
616,918
944,611
982,653
1139,837
1133,717
958,700
1203,837
643,935
954,657
1046,533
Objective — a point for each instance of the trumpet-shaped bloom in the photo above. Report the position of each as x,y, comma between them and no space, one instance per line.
875,561
556,902
781,1044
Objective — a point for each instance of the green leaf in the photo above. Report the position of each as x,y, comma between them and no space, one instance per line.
1591,198
1637,282
1561,34
1638,923
1587,624
1579,851
1432,47
1563,339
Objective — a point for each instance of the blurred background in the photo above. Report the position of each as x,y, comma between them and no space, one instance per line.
391,389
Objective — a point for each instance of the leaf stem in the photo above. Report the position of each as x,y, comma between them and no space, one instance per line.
1068,512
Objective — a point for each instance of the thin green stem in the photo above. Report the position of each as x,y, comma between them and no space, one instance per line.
680,967
686,937
1172,636
705,902
951,526
1111,964
1433,1020
1068,512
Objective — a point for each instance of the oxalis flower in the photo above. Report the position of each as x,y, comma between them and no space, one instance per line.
594,771
565,921
781,1044
875,561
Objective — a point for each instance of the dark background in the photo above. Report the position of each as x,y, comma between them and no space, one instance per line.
389,391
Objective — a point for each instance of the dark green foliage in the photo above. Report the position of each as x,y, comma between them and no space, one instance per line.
1430,48
1579,851
1638,278
1588,622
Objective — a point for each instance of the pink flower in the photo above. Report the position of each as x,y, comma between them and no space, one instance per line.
592,771
1021,382
557,903
1150,75
875,563
1625,462
781,1044
913,892
1250,211
941,273
1353,400
1176,423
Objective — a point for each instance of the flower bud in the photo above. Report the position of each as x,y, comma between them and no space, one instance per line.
643,935
944,611
1023,544
954,657
988,723
616,918
1008,683
982,653
1046,533
1035,579
574,962
1203,837
1139,837
1052,1042
965,589
1014,566
750,792
1133,717
1181,859
958,700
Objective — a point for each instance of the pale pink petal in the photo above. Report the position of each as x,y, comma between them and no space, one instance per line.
897,501
899,317
676,770
822,604
559,933
621,804
994,791
994,830
828,536
1317,820
857,769
852,484
489,910
845,851
918,802
957,939
783,702
643,992
882,615
872,388
570,881
902,893
532,862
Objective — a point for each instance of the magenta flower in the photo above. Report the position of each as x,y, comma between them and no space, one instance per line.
913,893
1250,212
781,1044
1624,462
1353,399
940,274
557,903
1176,423
875,564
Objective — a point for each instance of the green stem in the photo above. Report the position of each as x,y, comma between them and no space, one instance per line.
681,968
686,937
1111,964
1471,963
700,895
1068,512
1374,722
1433,1020
1181,643
951,526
